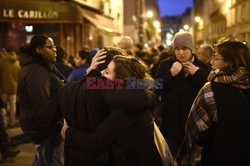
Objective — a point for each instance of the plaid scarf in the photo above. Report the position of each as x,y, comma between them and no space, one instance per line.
239,79
203,112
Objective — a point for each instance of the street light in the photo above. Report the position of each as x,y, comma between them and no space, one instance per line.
158,30
157,24
197,19
186,27
150,14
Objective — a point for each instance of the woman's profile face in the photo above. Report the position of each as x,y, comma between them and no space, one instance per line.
218,62
48,51
109,72
79,61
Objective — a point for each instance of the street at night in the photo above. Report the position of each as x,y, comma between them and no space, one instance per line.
124,82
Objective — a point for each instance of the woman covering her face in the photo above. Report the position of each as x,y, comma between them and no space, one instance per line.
127,131
220,116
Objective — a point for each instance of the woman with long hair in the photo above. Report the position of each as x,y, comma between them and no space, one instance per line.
220,115
127,131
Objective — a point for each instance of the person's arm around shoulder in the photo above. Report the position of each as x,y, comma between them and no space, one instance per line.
107,132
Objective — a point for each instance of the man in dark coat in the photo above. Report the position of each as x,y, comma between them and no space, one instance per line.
183,75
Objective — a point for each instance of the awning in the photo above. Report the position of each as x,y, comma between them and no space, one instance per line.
39,11
101,22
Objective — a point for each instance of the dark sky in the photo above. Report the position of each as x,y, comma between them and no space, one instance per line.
173,7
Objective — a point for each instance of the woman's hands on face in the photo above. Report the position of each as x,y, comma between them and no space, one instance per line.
97,59
64,128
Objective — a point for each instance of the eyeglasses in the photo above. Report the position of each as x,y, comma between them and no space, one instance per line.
50,47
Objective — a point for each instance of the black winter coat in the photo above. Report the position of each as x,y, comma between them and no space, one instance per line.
127,131
83,109
38,83
64,68
227,141
125,137
177,96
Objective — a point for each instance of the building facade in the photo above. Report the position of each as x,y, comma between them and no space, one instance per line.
136,22
229,18
72,24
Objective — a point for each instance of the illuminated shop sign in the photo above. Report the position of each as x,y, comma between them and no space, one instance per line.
30,14
37,10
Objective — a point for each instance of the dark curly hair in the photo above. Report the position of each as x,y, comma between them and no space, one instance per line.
111,52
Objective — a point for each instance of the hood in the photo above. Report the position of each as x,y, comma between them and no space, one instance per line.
12,57
27,59
239,79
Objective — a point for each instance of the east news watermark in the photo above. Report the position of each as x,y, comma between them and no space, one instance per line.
128,83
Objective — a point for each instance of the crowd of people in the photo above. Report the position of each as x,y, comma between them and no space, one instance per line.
101,110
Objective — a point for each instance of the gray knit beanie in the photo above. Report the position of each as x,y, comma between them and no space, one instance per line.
183,39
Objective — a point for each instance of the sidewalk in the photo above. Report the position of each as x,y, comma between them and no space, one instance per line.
26,156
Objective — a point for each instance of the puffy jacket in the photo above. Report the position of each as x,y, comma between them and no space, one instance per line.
38,83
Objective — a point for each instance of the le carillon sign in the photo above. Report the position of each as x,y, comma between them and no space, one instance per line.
39,10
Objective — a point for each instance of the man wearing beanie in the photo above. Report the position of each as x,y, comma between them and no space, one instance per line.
183,75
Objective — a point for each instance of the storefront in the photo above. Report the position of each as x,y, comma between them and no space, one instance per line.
20,20
99,30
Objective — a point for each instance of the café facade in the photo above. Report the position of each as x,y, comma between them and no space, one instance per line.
70,25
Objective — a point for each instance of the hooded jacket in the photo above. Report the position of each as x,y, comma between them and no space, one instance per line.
9,73
39,82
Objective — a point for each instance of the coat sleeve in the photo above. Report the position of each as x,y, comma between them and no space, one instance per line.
50,116
107,132
164,72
